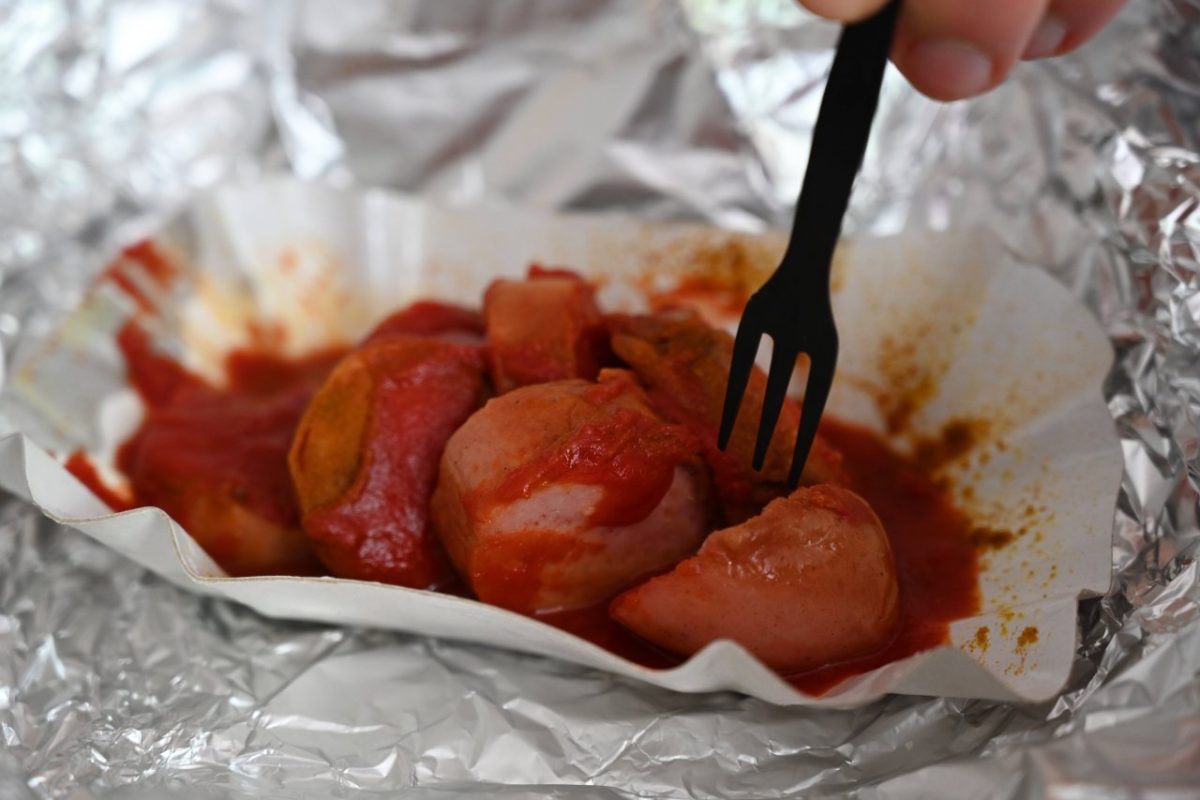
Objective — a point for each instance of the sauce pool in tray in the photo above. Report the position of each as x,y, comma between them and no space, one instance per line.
936,564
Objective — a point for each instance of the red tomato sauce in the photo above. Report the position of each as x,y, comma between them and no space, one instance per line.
196,440
241,433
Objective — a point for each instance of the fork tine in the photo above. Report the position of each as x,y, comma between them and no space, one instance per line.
745,347
783,364
816,392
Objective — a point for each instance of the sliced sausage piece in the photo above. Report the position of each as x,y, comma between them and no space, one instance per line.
365,457
809,582
684,364
541,329
562,494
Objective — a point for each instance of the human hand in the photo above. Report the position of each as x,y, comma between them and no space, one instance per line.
951,49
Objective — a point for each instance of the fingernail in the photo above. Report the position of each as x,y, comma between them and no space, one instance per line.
1046,39
949,69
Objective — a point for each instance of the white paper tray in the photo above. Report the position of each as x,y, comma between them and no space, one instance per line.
983,339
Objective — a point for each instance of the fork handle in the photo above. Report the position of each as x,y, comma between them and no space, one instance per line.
839,142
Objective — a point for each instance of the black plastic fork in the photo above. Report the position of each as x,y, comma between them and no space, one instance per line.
793,306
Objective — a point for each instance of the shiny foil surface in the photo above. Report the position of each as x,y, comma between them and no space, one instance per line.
115,684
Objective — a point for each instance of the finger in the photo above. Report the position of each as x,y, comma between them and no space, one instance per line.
843,10
950,49
1068,24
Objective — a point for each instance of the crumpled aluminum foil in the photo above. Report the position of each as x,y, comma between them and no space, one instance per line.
114,684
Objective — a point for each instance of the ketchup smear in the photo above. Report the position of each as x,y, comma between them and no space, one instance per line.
198,441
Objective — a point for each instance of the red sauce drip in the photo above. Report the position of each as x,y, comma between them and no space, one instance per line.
82,468
154,375
216,458
631,455
153,266
145,254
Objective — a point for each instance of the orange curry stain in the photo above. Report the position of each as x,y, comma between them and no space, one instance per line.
910,366
955,439
720,277
701,290
984,538
1029,636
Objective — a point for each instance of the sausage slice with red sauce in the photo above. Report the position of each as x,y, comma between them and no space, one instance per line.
808,582
560,495
544,328
365,457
